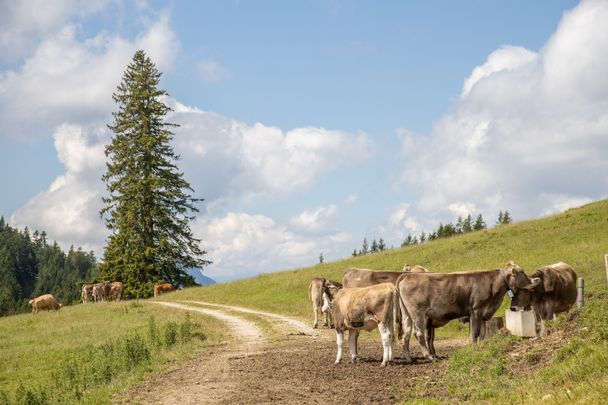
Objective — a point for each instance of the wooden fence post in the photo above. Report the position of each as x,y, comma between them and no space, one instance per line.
606,263
580,284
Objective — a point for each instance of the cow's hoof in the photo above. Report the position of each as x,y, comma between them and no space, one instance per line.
337,362
314,326
383,365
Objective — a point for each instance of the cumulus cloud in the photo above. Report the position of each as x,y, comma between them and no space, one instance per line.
72,80
241,244
23,23
259,161
528,134
69,209
316,219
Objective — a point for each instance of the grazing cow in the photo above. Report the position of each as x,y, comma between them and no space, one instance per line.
431,299
116,290
87,293
46,301
355,277
554,293
101,290
163,288
315,293
356,309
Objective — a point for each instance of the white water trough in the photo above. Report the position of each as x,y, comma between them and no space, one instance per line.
521,323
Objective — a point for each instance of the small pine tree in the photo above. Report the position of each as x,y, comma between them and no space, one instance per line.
374,246
364,247
321,258
459,228
381,245
479,224
500,218
355,254
467,225
506,218
422,237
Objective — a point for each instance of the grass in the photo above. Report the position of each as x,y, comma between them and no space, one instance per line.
85,353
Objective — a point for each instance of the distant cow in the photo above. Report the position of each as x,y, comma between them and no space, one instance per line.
86,293
433,299
46,301
101,290
554,293
163,288
116,290
315,293
356,309
354,277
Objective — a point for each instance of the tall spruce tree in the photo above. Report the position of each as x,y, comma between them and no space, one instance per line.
149,204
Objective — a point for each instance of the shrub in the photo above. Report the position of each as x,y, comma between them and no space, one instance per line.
170,334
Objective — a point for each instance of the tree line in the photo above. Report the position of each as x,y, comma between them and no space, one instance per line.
31,266
462,226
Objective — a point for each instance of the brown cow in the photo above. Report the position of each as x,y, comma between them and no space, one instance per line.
101,290
46,301
354,277
87,293
163,288
435,299
554,293
116,290
315,293
365,308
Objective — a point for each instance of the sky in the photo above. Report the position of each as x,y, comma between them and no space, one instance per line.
307,126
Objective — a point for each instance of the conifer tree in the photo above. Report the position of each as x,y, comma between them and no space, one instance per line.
500,219
479,223
381,245
374,246
364,248
422,237
506,218
467,225
149,204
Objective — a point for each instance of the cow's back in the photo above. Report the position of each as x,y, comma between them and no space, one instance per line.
359,278
352,307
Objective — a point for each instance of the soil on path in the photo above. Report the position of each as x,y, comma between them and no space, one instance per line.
294,368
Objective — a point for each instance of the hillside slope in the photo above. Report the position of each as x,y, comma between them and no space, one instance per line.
578,237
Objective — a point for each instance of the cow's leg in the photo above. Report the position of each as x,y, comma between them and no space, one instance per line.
391,331
475,324
407,334
353,334
340,342
430,337
420,322
315,309
385,334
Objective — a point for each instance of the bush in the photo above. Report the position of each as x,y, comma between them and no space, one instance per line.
170,334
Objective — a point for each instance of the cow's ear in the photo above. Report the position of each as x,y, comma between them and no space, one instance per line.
534,281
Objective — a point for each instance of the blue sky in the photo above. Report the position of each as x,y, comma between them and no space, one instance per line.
309,125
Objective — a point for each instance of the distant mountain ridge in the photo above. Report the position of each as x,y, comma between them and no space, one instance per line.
200,278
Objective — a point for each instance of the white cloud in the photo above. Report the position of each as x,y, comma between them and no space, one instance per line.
212,72
69,209
24,23
314,220
528,134
258,161
66,79
351,200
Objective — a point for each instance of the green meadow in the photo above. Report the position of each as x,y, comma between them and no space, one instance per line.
85,353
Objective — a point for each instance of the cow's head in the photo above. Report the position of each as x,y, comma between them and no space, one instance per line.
330,289
516,279
522,298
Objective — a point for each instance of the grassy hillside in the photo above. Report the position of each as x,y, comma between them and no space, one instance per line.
578,237
85,353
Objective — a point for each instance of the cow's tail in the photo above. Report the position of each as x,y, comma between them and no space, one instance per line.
397,312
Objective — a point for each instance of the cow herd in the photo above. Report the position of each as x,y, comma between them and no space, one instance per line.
420,301
102,291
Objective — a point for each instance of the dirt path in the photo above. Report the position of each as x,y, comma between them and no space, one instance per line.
294,367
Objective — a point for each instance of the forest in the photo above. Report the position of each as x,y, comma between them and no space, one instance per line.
31,266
